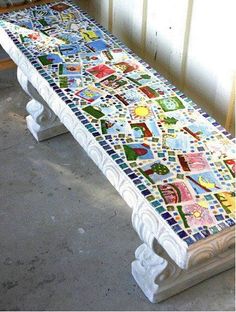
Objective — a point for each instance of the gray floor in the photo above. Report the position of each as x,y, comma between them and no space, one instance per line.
66,241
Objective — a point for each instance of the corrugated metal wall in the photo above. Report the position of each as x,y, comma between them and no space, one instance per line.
191,42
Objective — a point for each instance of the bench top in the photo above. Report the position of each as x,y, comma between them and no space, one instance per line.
175,156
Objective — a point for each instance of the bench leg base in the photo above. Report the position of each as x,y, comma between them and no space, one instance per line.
160,279
44,133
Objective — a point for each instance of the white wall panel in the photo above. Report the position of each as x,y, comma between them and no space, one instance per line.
127,22
98,9
165,38
211,55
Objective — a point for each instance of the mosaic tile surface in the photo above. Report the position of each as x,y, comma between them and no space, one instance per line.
178,157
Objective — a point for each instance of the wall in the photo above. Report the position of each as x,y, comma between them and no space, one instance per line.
191,42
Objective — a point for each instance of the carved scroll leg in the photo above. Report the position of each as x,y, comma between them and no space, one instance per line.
41,122
145,270
153,269
161,278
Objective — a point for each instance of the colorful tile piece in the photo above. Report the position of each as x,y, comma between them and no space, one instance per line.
49,59
90,94
98,45
178,157
126,67
174,193
69,49
231,165
170,104
141,111
227,201
196,215
156,172
137,151
146,129
113,127
193,162
101,71
69,69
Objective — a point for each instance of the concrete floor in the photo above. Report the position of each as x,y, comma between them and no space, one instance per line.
66,241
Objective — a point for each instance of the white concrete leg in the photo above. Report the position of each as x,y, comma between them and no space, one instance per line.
145,270
41,121
157,274
160,279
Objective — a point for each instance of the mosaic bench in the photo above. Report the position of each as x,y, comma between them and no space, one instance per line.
172,163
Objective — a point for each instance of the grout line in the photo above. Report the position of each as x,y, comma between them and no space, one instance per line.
186,42
231,106
110,17
144,27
